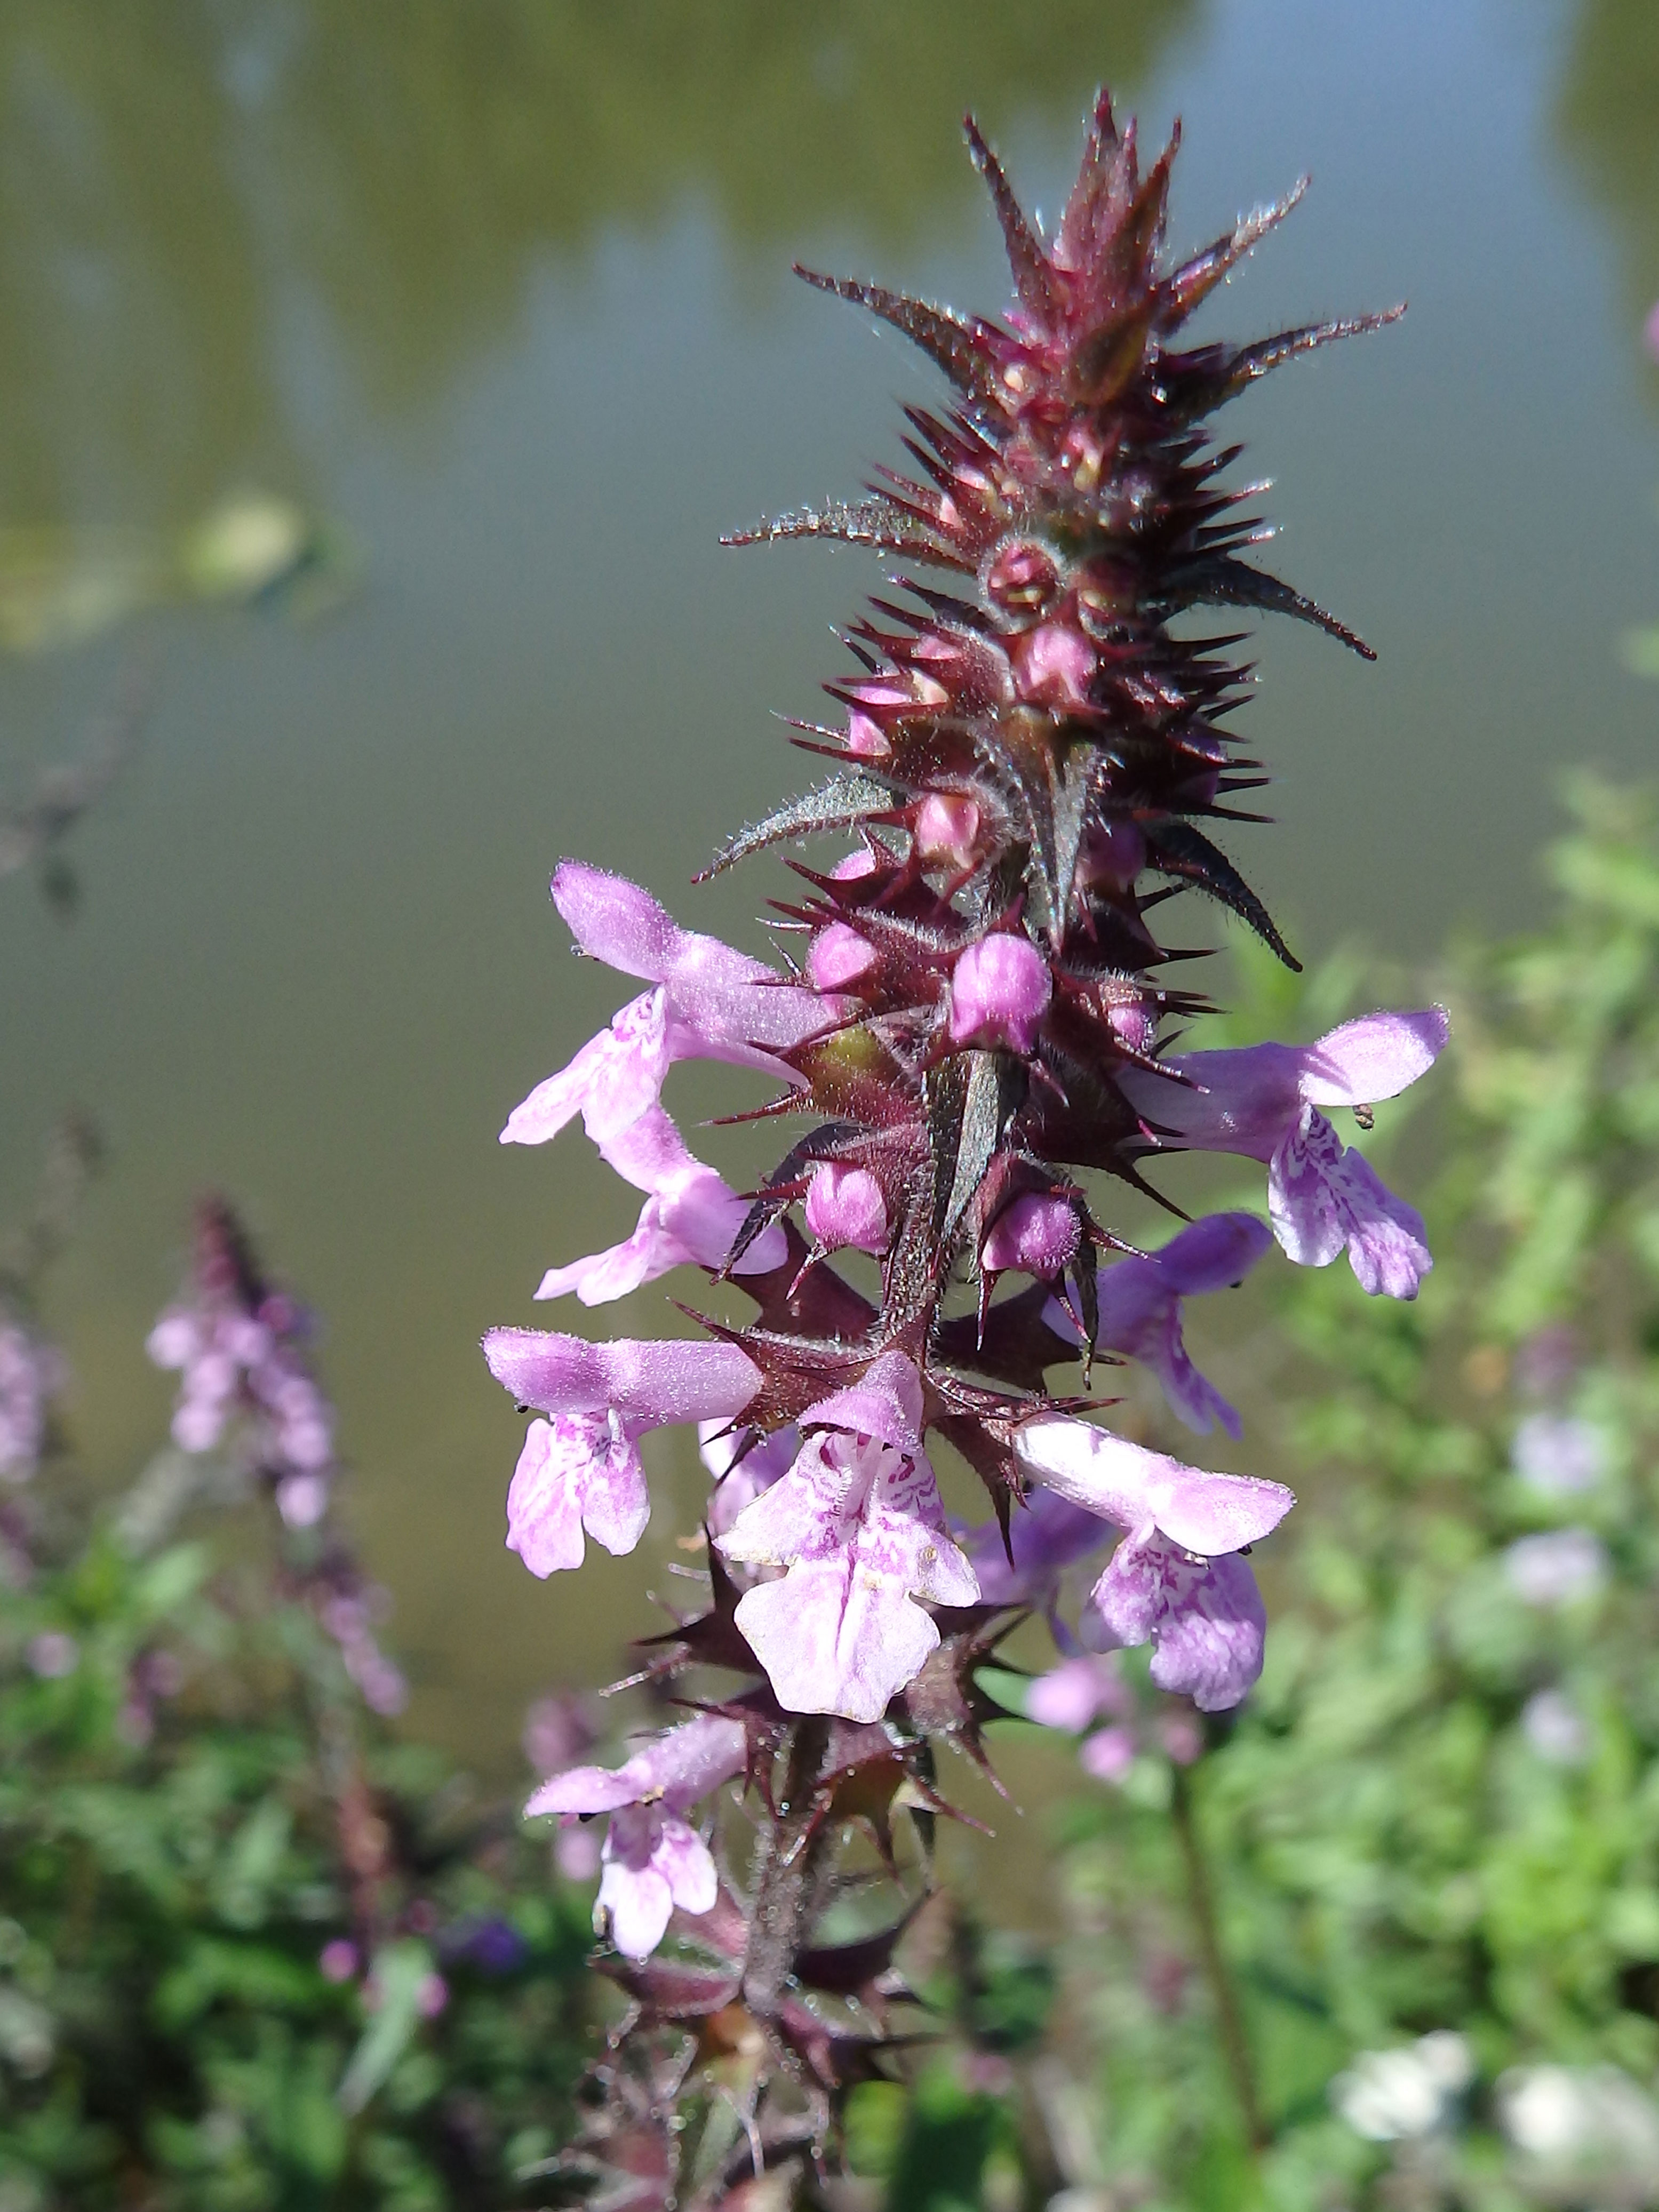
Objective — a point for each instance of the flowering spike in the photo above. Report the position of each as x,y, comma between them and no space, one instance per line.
1032,755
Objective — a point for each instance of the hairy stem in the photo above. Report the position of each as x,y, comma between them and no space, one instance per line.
784,1874
1235,2043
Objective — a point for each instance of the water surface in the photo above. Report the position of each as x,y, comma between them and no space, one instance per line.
503,289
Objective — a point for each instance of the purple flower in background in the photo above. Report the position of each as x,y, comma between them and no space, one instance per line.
739,1481
1650,332
1263,1100
338,1960
691,1217
557,1730
1140,1308
32,1373
858,1524
1176,1579
1046,1535
52,1654
582,1468
1557,1567
240,1350
1077,1693
653,1859
709,1003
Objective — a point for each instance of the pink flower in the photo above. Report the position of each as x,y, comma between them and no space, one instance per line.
858,1524
581,1470
1075,1694
709,1003
52,1654
1140,1308
240,1350
1000,991
1054,664
653,1859
338,1960
690,1217
1263,1100
1176,1579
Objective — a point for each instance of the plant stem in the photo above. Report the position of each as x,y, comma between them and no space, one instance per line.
1230,2016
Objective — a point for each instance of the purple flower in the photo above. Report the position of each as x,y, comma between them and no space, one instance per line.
1140,1491
582,1469
240,1350
1204,1617
1176,1579
858,1524
337,1960
1650,332
1045,1534
999,992
653,1859
691,1217
32,1373
709,1003
1140,1308
1263,1100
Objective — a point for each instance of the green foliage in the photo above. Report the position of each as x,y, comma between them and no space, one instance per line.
192,1805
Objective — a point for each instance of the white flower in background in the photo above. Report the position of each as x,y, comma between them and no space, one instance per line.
1578,2126
1555,1729
1391,2096
1556,1567
1557,1454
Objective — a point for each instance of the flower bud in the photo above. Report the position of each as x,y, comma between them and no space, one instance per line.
998,993
946,828
1038,1234
839,956
1053,664
845,1205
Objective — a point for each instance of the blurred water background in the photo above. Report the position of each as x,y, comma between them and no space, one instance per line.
495,302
